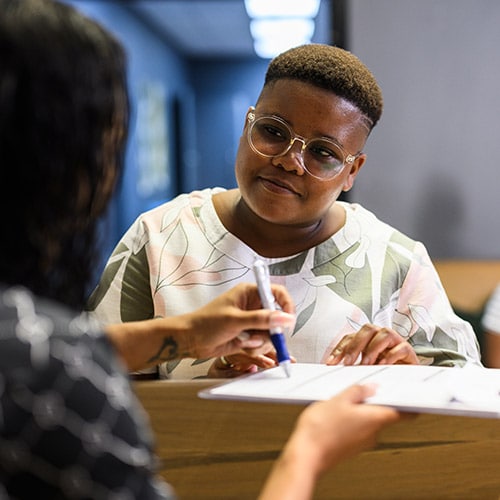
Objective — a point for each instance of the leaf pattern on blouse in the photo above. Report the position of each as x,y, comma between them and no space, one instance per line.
179,256
177,267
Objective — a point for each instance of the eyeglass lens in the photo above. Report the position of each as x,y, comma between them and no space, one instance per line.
270,137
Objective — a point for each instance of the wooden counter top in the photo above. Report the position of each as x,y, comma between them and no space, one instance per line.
224,450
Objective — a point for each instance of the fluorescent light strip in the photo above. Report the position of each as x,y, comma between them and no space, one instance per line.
273,36
277,25
282,8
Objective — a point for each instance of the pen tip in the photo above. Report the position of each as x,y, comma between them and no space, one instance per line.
286,368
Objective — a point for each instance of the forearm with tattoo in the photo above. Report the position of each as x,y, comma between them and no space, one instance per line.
168,351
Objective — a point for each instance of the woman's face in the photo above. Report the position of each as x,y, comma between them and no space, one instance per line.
278,189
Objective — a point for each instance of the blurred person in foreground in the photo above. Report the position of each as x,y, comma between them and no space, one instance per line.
70,425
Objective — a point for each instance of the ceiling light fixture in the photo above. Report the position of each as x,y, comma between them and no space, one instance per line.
277,25
273,36
282,8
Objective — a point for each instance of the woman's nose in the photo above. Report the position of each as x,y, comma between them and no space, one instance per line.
293,159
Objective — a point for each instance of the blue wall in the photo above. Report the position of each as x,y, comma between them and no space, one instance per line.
224,91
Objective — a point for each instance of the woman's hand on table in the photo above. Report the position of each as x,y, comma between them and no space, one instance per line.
373,345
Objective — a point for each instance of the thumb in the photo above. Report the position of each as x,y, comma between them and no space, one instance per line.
358,393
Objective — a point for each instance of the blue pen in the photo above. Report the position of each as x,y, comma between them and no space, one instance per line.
266,296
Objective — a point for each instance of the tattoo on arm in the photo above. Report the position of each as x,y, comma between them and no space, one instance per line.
168,351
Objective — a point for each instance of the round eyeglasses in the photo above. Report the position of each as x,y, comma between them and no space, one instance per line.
270,136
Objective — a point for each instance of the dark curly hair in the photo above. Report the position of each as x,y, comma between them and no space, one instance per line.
63,127
331,68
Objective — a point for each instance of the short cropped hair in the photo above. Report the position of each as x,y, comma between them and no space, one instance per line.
334,69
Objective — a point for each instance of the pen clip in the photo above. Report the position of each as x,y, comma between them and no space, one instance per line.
264,284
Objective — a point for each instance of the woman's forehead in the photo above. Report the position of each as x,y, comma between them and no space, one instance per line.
293,94
313,109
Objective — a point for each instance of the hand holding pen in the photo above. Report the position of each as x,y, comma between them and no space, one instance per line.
252,349
261,272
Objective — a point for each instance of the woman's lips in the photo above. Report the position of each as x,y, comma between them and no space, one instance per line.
278,186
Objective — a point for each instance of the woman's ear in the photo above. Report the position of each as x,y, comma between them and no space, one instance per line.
251,109
353,172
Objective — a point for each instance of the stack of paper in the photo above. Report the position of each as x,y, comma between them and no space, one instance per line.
471,390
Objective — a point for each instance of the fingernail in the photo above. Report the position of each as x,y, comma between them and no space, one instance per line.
253,343
280,319
267,361
347,359
367,360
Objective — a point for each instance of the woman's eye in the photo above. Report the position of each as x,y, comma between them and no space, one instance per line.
274,131
322,152
325,152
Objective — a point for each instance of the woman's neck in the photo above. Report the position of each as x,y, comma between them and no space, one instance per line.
270,239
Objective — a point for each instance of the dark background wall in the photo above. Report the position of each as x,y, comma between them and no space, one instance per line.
161,92
224,90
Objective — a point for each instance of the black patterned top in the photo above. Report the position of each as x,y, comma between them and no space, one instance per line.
70,424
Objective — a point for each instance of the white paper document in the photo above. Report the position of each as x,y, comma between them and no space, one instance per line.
470,391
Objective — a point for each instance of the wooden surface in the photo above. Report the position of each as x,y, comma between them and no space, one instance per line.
469,283
224,450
